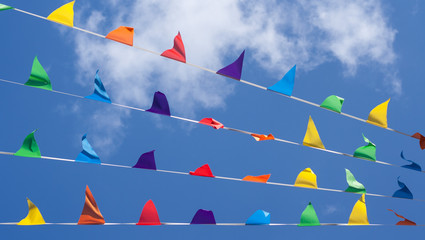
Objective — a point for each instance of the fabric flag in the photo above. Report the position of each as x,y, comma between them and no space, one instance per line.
99,93
234,70
378,115
34,216
333,103
353,185
405,221
5,7
211,122
149,215
203,171
122,34
309,217
38,77
260,217
146,161
286,84
421,140
358,215
203,217
29,147
91,214
261,178
366,152
262,137
312,138
177,52
403,192
160,104
63,15
413,165
88,155
306,178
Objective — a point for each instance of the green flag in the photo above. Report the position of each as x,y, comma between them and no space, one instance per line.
29,147
333,103
39,77
4,7
367,152
309,217
353,185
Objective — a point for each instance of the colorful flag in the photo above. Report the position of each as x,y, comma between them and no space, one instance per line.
366,152
405,221
122,34
38,77
358,215
63,15
309,217
262,137
91,214
312,138
421,139
160,104
233,70
261,178
306,178
378,115
203,217
413,165
177,52
29,147
149,215
211,122
88,155
99,93
353,185
286,84
203,171
403,192
5,7
34,216
260,217
146,161
333,103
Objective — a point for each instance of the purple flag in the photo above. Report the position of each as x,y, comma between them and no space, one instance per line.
203,217
146,161
160,104
234,70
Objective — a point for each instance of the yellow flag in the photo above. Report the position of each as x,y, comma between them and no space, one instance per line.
34,216
378,115
359,213
312,138
64,15
306,178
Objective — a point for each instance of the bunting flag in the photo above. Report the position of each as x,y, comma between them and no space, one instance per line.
286,84
5,7
333,103
29,147
99,93
160,104
309,217
203,217
88,155
403,192
312,138
421,140
413,165
353,185
261,178
306,178
38,77
262,137
405,221
149,215
260,217
177,52
64,15
122,34
203,171
234,70
378,115
212,122
367,152
34,216
146,161
358,215
91,214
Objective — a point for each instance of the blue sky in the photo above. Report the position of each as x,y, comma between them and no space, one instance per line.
363,51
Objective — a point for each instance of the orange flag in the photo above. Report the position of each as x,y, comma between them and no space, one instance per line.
261,178
122,35
91,214
262,137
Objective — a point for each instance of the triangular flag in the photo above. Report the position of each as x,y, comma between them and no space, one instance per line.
312,138
34,216
5,7
177,52
421,140
149,215
405,221
306,178
88,155
333,103
91,214
262,137
366,152
160,104
403,192
146,161
286,84
203,217
353,185
63,15
413,165
261,178
39,77
309,217
260,217
234,70
358,215
29,147
378,115
211,122
203,171
99,93
122,34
